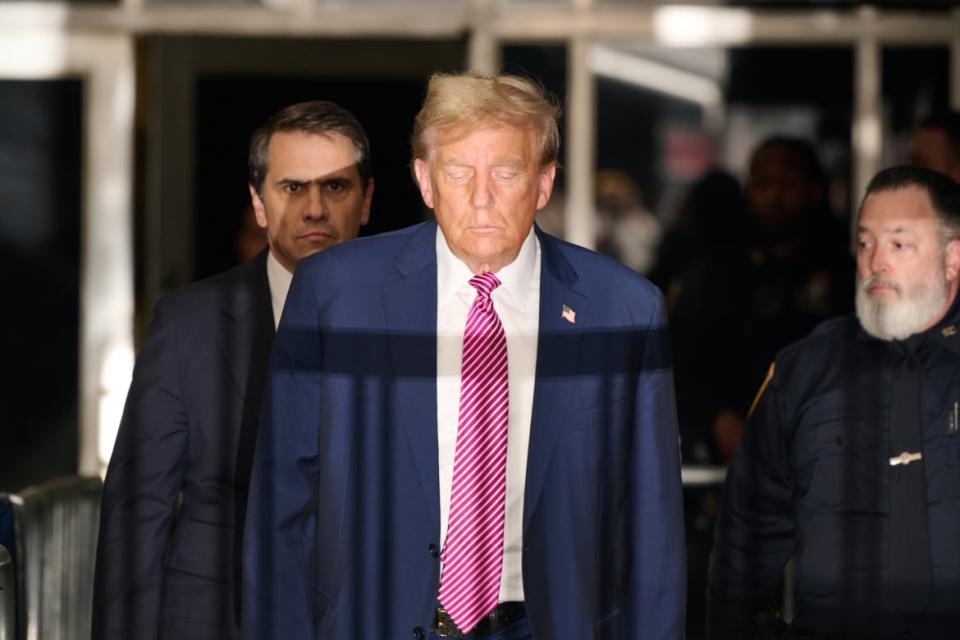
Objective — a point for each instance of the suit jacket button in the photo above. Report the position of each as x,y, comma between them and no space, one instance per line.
418,633
433,550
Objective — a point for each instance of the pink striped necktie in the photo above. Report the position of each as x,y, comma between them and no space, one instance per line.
473,553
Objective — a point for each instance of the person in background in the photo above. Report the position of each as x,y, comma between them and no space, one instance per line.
176,487
626,230
936,144
849,463
711,219
250,239
745,301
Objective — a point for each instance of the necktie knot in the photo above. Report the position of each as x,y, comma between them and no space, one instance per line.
485,283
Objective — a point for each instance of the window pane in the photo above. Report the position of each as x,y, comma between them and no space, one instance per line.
652,107
40,188
745,271
915,83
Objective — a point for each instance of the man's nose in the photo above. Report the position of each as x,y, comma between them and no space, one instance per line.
481,196
877,261
316,205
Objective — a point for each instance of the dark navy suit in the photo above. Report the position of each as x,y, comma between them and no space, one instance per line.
344,516
186,438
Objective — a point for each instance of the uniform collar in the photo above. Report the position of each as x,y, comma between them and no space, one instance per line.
947,331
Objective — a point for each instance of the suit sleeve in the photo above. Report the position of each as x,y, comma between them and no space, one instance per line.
756,531
278,581
140,492
656,599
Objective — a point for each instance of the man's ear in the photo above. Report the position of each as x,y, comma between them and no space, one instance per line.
258,210
367,201
547,176
951,260
422,171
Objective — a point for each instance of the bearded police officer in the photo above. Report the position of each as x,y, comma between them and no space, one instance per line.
851,458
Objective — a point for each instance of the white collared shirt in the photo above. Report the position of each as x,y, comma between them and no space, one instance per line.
517,302
279,280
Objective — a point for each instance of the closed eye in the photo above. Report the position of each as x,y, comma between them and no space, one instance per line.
458,175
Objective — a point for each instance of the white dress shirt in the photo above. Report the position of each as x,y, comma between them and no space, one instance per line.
517,302
279,280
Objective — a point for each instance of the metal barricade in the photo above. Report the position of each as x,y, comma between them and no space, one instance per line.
8,599
55,527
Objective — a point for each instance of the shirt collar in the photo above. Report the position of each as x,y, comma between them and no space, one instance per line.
515,278
279,280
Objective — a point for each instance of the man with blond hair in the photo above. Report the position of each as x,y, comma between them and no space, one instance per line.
469,427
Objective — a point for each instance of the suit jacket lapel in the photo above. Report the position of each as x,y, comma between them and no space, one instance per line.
410,306
558,349
245,341
247,331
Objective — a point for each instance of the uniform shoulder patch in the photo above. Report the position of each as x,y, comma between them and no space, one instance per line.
763,387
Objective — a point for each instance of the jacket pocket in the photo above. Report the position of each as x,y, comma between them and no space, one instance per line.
321,607
204,549
841,466
607,627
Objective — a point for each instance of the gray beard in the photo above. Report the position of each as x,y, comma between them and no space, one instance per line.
905,315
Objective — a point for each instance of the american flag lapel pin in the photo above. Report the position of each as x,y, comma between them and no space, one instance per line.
568,314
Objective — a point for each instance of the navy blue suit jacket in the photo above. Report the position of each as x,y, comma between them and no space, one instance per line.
175,492
344,503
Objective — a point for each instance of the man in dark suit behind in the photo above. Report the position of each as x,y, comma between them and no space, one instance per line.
175,492
529,489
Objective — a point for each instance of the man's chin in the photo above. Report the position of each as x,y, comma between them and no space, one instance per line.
894,318
313,243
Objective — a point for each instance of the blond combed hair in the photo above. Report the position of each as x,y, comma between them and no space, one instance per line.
471,100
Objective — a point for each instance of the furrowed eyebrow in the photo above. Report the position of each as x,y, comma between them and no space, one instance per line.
345,180
894,231
898,231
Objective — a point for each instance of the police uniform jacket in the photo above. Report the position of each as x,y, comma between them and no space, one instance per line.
812,480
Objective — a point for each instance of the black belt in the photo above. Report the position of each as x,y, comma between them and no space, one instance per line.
503,615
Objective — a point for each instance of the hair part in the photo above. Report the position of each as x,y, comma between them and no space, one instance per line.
943,192
470,99
317,117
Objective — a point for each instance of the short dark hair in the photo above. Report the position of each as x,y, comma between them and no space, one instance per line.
948,122
316,117
943,192
801,149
